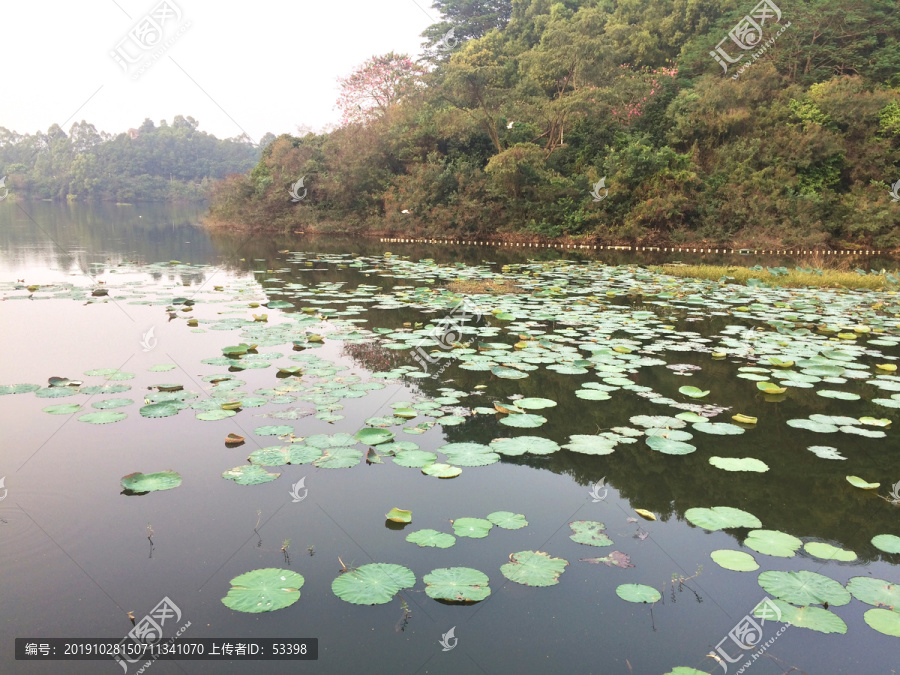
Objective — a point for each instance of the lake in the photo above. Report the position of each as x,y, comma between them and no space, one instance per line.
612,360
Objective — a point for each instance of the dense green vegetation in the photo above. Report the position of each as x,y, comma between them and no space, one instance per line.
506,127
166,163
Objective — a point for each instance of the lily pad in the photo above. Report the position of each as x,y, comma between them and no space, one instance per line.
508,520
521,421
439,470
535,403
858,482
638,593
476,528
105,417
693,392
339,458
813,618
414,459
62,409
589,532
773,542
884,621
457,584
141,483
889,543
821,549
737,561
590,445
374,584
804,588
534,568
825,452
431,538
876,592
374,436
670,446
249,474
162,409
264,590
399,515
739,464
533,445
721,517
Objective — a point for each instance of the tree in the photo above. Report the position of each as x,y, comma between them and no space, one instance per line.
376,85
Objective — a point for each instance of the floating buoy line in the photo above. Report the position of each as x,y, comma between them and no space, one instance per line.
663,249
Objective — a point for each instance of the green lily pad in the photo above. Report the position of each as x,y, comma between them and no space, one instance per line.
889,543
840,395
112,403
813,618
534,568
271,456
884,621
399,515
719,428
162,409
457,584
339,458
773,542
469,454
693,392
439,470
264,590
508,373
810,425
105,417
521,420
215,415
476,528
856,481
62,409
534,445
374,436
508,520
822,550
876,592
589,532
739,464
431,538
141,483
249,474
590,445
535,403
374,584
414,459
18,388
721,517
670,446
638,593
804,588
274,430
737,561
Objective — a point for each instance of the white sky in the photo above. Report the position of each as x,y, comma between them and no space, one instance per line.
257,66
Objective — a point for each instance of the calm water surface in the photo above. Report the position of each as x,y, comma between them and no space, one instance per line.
74,552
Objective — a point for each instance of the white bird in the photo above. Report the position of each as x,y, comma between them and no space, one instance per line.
405,211
510,125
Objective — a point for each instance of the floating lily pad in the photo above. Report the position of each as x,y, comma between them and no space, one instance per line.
520,445
112,403
719,428
590,445
669,446
534,568
884,621
721,517
804,588
638,593
856,481
414,459
469,454
399,515
457,584
374,584
18,388
821,549
825,452
813,618
476,528
339,458
889,543
141,483
521,421
693,392
374,436
737,561
264,590
589,532
439,470
214,415
431,538
274,430
535,403
739,464
249,474
105,417
62,409
508,520
162,409
773,542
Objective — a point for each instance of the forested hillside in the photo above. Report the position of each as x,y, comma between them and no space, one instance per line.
614,119
166,163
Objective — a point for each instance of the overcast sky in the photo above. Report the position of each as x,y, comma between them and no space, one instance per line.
251,67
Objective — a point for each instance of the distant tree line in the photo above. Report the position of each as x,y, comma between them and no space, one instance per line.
151,163
611,119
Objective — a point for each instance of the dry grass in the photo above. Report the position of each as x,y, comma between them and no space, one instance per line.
492,286
829,278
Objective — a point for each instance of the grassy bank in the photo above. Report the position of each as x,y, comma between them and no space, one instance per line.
829,278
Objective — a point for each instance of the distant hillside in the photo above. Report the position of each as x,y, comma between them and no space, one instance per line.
165,163
612,119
